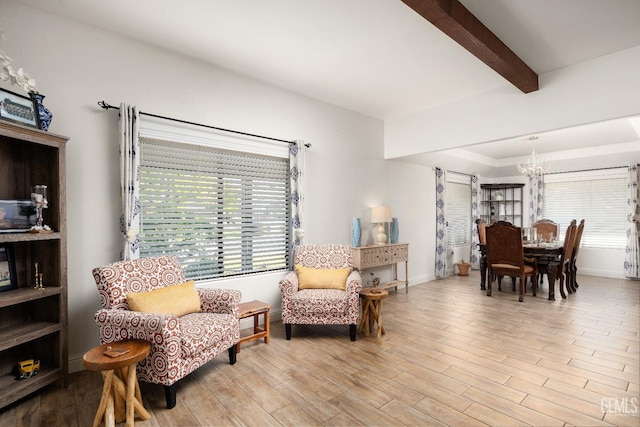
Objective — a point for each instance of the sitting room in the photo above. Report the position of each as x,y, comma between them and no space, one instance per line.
259,213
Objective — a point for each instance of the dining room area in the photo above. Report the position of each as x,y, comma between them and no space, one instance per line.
541,229
530,254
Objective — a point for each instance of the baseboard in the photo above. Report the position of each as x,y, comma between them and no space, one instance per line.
75,363
600,273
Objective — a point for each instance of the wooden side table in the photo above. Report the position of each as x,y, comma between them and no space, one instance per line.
121,390
255,309
372,310
378,255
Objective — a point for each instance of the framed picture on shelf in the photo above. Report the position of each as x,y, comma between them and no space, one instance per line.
18,108
17,215
8,279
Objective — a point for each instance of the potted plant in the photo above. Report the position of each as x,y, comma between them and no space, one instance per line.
463,267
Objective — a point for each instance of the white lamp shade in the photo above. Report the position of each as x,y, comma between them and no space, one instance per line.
381,214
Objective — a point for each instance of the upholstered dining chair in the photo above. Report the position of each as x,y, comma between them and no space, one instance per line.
563,269
505,257
481,226
573,285
546,228
323,289
149,299
565,273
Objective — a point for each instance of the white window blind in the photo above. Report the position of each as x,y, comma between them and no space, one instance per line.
458,210
221,212
599,197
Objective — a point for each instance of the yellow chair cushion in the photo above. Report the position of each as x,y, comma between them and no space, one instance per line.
322,278
177,300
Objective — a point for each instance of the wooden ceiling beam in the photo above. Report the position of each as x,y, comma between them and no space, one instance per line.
455,20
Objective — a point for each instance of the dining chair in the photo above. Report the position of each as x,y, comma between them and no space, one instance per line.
573,285
481,226
505,257
564,267
546,227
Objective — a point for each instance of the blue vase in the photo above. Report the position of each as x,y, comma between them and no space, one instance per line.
356,231
44,114
394,230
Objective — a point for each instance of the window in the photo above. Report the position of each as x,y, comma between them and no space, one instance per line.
458,208
221,211
598,196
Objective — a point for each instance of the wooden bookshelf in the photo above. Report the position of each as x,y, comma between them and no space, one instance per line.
33,322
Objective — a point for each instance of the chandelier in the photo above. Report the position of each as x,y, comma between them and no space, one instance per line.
533,166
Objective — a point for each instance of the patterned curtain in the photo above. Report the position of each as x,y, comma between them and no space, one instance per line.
475,251
297,153
441,244
632,250
130,181
536,184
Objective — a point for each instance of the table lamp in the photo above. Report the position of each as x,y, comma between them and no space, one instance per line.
381,215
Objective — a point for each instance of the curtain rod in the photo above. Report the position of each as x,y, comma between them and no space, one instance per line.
106,106
588,170
461,173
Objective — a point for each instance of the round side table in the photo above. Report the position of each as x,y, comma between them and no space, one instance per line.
372,310
121,390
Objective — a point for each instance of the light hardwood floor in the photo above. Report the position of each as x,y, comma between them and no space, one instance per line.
451,356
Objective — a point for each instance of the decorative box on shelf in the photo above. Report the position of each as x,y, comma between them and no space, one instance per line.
380,255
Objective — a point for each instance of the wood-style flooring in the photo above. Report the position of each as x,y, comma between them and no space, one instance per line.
450,356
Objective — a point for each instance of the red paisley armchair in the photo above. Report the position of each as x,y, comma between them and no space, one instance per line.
321,306
179,345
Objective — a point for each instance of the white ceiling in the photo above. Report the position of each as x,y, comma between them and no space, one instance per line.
376,57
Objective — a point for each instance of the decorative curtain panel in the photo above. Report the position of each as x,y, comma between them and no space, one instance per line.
632,250
441,245
536,184
297,154
130,181
475,250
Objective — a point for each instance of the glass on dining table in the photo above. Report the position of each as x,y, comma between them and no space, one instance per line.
534,234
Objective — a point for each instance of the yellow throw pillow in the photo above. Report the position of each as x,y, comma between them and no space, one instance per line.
321,278
176,300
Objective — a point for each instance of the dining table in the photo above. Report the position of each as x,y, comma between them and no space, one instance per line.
546,255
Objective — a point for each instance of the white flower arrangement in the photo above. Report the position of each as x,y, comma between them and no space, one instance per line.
18,77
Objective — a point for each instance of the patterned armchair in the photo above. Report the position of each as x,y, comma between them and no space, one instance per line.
321,306
179,345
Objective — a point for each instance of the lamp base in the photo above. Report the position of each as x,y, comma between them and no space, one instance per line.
381,237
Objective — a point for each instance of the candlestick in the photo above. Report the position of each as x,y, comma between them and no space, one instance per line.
36,285
39,198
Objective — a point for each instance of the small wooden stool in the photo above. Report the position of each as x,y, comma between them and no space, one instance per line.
254,309
121,390
372,310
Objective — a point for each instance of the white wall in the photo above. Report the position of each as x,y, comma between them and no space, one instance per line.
597,90
75,66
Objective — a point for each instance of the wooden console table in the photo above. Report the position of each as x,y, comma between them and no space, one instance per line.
379,255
